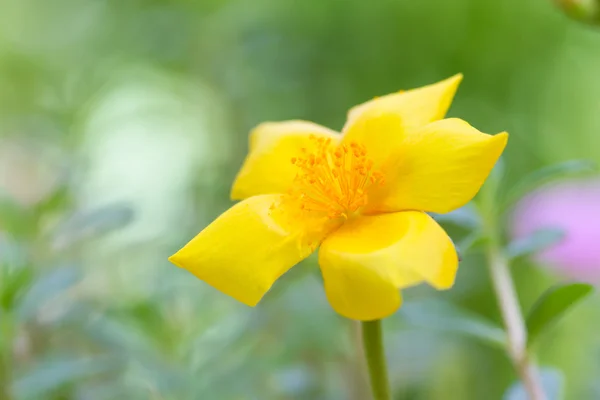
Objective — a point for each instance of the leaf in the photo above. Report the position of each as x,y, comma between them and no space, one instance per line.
487,198
447,318
87,225
17,221
471,242
54,372
465,217
113,389
552,381
493,184
46,288
60,198
16,275
121,336
545,175
537,241
295,380
552,304
14,282
13,253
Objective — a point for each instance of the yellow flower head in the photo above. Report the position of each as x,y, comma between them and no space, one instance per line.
361,195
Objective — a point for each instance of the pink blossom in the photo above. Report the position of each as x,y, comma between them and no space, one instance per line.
574,208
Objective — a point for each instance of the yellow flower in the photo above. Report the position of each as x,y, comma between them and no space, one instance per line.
360,195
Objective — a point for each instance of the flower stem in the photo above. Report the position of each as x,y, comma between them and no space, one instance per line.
514,324
373,346
504,287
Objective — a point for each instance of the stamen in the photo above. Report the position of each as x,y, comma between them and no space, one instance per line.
333,180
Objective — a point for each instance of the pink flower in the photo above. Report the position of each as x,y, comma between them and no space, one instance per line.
574,208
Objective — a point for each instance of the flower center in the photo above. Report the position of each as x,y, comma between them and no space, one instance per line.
334,180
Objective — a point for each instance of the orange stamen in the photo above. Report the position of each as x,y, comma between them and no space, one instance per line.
333,180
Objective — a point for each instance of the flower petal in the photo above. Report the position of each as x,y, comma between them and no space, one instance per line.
248,247
268,168
415,108
438,168
382,125
366,260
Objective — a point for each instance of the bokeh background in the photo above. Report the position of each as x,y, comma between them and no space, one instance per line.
123,123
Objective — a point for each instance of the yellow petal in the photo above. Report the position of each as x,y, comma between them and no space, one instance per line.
381,133
438,168
268,167
415,107
383,124
366,260
248,247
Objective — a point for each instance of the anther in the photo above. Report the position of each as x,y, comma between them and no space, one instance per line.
329,182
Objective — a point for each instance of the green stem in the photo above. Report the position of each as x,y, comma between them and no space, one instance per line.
515,325
373,347
508,301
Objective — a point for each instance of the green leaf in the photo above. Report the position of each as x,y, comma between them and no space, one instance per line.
121,336
545,175
17,221
59,199
15,281
447,318
552,305
471,242
466,217
91,224
53,373
537,241
552,381
493,183
46,288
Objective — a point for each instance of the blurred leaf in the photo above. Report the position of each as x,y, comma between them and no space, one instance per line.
59,198
14,282
126,341
7,333
122,336
148,316
498,172
552,304
13,253
465,217
53,373
496,177
84,226
294,381
104,391
221,337
552,381
488,196
15,219
447,318
537,241
545,175
471,242
44,289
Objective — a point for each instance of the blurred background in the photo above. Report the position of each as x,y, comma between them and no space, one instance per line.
123,123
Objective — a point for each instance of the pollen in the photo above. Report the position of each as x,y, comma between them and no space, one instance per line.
334,180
